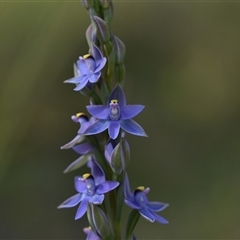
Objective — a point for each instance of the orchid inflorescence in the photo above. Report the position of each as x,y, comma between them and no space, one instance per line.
101,139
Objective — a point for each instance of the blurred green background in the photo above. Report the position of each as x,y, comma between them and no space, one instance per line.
183,64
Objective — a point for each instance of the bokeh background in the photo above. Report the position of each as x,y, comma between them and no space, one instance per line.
183,64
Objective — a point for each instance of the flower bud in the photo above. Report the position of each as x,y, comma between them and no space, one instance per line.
120,49
108,13
105,3
89,216
103,33
120,156
100,222
91,35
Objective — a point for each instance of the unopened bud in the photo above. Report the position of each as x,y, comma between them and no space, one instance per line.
120,157
91,35
102,33
100,222
108,13
120,49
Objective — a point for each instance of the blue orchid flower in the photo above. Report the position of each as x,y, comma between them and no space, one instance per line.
88,69
139,201
91,235
90,188
115,115
83,147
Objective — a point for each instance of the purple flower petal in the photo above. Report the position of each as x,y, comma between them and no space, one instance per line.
113,129
111,144
106,186
107,152
97,172
160,219
96,53
132,204
85,125
147,214
118,94
80,184
82,208
97,127
75,80
94,78
100,64
81,84
98,111
71,202
91,235
157,206
130,111
146,190
82,66
97,199
132,127
127,192
83,148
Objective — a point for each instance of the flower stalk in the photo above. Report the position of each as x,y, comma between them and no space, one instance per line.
101,141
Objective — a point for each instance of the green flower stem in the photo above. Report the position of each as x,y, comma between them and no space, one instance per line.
110,54
97,7
96,99
131,223
119,205
117,230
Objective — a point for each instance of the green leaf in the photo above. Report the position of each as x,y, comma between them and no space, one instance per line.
81,161
131,223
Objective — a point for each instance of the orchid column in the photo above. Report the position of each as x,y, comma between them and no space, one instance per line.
101,139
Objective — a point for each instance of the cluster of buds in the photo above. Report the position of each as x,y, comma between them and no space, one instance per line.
101,139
